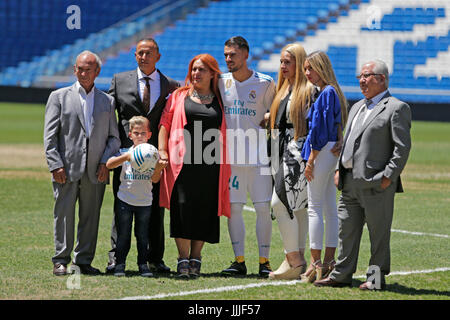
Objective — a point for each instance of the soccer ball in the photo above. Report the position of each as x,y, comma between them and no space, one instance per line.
144,158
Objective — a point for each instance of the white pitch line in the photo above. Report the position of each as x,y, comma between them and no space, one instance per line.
405,273
393,230
421,233
264,284
220,289
249,208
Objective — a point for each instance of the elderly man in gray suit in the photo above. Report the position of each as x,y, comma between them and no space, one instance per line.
80,134
376,147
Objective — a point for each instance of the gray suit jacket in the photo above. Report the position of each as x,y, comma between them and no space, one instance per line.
124,89
383,145
65,140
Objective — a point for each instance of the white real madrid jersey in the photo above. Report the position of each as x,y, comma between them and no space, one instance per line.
245,104
135,187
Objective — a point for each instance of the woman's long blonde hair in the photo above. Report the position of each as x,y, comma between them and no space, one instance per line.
320,62
301,92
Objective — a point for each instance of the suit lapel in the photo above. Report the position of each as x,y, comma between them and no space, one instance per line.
354,111
351,117
164,88
96,109
134,89
74,96
381,105
134,81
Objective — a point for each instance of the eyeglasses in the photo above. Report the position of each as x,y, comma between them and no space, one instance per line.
367,75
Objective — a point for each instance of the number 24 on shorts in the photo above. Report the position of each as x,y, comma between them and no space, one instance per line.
234,183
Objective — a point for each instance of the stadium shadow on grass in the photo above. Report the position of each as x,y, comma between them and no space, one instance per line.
173,275
398,288
401,289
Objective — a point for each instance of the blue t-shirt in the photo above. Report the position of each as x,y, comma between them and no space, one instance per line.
323,119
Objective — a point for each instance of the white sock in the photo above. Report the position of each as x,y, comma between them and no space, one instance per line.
263,228
236,229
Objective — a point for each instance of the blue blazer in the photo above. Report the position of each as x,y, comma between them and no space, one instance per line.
323,119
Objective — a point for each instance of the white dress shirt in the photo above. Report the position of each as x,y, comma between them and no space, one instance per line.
87,104
155,86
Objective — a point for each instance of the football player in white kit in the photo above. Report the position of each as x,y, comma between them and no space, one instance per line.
247,96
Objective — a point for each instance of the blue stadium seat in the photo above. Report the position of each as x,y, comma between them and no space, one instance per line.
404,19
267,25
199,31
41,25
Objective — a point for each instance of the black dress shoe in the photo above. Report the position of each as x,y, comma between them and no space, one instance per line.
158,267
110,268
87,269
328,282
59,269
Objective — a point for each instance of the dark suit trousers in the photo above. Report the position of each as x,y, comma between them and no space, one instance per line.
156,226
355,208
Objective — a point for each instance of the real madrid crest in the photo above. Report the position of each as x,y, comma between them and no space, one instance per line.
252,94
228,84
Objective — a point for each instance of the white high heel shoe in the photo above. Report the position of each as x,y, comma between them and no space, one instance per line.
284,266
287,273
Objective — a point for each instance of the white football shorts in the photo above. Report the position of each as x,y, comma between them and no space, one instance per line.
250,179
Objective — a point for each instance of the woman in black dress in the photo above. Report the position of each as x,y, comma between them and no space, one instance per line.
194,187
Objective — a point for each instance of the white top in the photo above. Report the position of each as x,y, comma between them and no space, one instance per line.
135,187
87,103
155,86
288,110
245,104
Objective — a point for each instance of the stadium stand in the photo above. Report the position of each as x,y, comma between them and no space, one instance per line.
208,28
404,19
412,36
37,25
48,32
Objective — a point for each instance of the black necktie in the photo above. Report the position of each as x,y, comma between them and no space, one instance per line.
146,97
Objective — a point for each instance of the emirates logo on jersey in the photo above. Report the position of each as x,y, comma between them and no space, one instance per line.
252,94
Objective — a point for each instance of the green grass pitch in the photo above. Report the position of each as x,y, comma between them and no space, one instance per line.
26,232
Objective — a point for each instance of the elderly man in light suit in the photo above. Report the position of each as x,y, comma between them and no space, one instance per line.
80,134
376,147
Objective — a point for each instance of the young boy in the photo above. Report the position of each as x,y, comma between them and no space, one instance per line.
134,198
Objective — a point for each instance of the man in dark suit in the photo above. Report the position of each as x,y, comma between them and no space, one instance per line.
142,92
376,147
